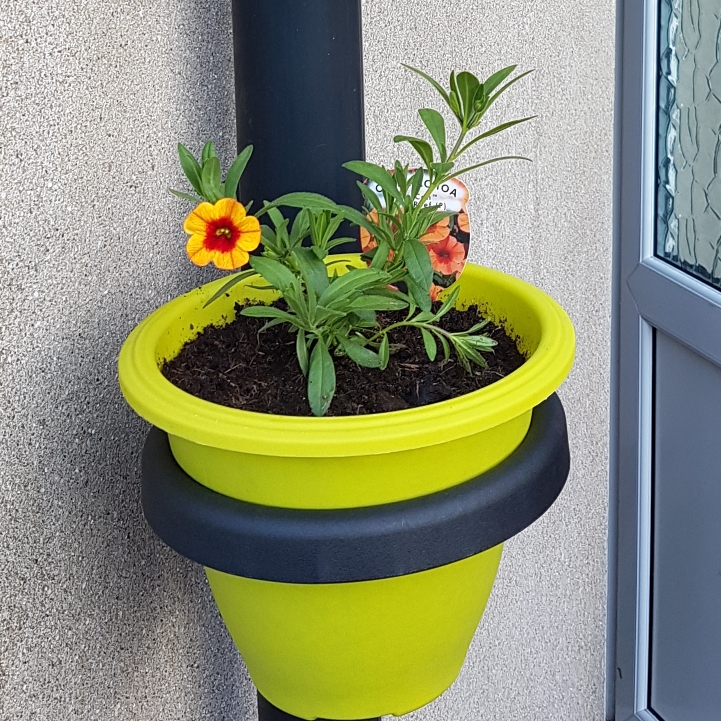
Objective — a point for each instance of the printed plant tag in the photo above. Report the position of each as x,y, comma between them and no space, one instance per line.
447,241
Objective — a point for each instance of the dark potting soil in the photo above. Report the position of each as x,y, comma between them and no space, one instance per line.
236,365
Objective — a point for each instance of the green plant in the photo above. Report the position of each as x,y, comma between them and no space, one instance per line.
335,314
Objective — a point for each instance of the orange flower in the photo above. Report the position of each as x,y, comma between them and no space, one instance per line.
438,231
368,242
221,233
435,291
448,256
463,222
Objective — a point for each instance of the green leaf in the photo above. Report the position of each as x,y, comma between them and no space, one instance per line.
208,152
277,218
497,78
384,352
314,270
492,99
381,255
267,311
191,168
456,100
210,179
273,271
228,285
360,354
236,171
436,125
367,318
417,181
301,350
185,196
357,218
321,379
419,263
467,84
455,105
442,168
354,282
498,129
376,174
300,229
378,302
421,147
430,344
323,314
311,201
488,162
445,346
448,303
418,294
433,82
372,199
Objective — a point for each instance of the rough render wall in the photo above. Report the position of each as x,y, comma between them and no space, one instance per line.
98,619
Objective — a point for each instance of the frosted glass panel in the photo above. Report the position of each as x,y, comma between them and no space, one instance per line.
689,149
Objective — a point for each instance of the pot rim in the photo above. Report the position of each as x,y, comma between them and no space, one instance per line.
181,414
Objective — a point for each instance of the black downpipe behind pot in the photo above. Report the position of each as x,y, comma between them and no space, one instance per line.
299,96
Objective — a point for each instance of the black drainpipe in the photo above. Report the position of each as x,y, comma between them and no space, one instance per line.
299,101
299,96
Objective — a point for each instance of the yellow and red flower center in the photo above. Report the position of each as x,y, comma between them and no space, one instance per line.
221,235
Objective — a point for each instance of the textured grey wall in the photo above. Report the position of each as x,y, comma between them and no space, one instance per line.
98,619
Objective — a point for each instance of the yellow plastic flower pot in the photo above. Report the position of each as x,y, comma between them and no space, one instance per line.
384,644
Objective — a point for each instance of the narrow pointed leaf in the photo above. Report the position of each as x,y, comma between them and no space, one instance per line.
442,168
497,78
419,263
381,255
421,147
314,269
311,201
492,99
436,125
433,82
234,280
266,311
448,303
430,344
186,196
498,129
418,294
376,174
210,178
378,302
417,181
384,352
360,354
352,283
321,379
236,171
274,272
488,162
371,198
208,152
301,350
467,84
191,168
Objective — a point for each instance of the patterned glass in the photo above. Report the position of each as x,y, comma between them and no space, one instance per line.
689,148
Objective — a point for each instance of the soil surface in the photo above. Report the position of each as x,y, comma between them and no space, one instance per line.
235,365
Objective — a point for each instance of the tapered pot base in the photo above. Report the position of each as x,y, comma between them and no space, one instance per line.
357,650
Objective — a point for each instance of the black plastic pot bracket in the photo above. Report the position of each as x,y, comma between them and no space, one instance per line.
358,544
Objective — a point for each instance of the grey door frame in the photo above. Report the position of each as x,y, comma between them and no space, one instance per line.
648,293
